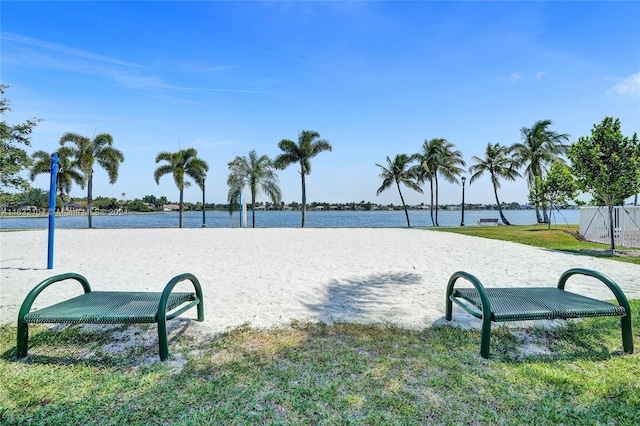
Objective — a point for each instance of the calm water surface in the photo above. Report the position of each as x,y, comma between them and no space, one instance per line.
287,219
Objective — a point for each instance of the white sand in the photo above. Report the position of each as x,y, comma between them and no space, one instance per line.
268,277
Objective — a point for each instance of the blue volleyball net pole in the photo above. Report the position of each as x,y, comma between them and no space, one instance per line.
55,162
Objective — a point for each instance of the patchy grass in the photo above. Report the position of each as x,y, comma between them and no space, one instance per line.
563,238
318,374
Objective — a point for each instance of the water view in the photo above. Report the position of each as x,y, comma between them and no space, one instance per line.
286,219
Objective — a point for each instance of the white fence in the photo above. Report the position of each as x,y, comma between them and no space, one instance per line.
594,225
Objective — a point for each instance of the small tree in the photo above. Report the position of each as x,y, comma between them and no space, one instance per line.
607,165
35,197
13,158
557,190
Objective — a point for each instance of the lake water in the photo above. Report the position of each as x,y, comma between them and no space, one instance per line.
286,219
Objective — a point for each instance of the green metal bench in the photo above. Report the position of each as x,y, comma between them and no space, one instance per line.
111,307
536,303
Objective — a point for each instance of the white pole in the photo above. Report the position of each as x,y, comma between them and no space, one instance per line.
244,213
240,209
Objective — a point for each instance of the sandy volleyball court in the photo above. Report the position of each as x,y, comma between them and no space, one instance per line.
268,277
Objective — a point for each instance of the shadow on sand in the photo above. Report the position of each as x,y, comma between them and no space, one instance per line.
353,299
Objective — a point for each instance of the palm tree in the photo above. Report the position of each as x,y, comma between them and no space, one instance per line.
498,164
428,160
256,172
309,145
87,152
399,172
438,157
539,148
68,171
181,163
449,168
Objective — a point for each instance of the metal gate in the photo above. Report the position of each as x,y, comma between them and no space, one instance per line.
594,225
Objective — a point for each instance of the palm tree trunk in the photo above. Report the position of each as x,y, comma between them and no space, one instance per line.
504,219
611,235
406,212
89,199
635,200
253,208
437,224
180,209
538,216
545,216
304,196
433,223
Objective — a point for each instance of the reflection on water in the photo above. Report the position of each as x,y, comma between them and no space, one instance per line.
288,219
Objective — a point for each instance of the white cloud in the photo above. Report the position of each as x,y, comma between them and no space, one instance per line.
64,50
46,54
629,86
515,77
540,74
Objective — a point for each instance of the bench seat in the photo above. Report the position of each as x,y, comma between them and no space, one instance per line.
107,307
538,303
535,303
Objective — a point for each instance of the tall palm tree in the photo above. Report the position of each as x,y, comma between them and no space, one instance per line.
86,152
256,172
498,164
399,171
180,164
309,145
539,148
428,159
439,158
68,171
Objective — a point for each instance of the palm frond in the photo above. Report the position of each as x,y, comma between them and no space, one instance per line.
165,169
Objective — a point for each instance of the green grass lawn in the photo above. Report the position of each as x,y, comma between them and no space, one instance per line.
318,374
312,374
563,238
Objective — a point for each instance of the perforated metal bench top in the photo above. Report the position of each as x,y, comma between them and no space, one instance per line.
538,303
107,307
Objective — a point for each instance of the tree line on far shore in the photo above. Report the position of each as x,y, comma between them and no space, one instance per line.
605,164
37,199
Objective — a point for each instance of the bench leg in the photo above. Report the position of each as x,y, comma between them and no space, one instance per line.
486,337
627,334
163,340
23,339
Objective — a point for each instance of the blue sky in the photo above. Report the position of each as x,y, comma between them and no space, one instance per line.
374,78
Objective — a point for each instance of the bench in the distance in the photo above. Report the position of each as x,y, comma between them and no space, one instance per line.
488,221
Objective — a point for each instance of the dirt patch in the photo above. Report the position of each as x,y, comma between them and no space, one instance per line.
130,347
607,252
577,235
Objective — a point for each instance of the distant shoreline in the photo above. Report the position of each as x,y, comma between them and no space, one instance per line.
286,219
